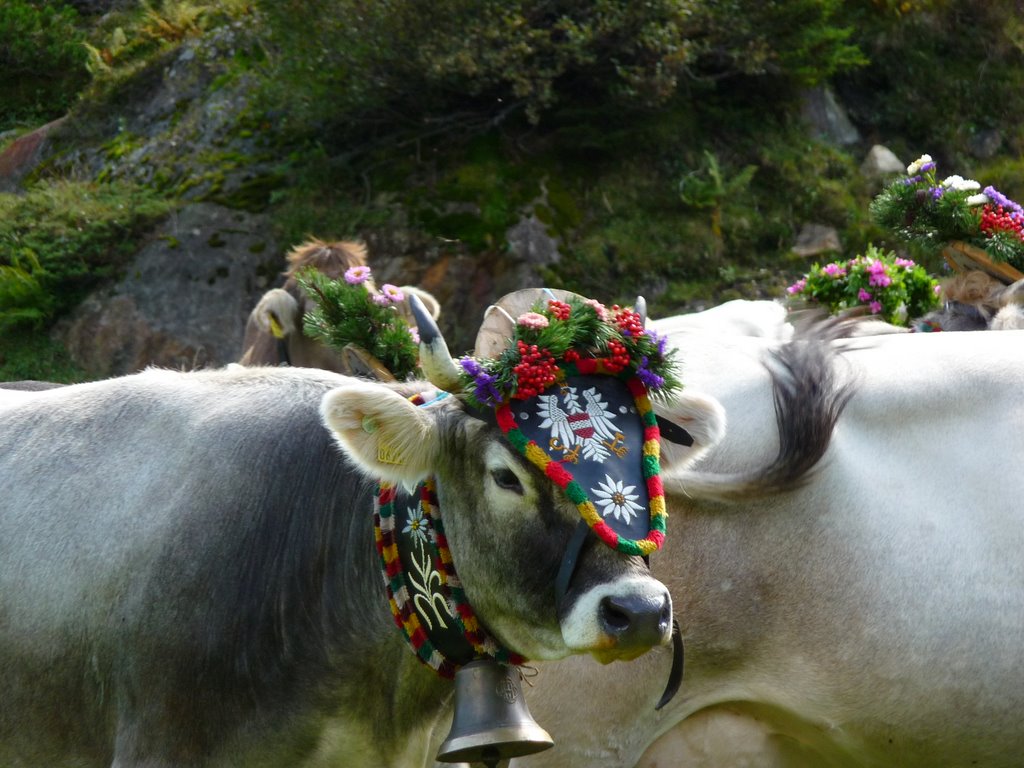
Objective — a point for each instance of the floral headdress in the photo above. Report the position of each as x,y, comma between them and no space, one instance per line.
930,213
353,312
570,393
894,288
577,336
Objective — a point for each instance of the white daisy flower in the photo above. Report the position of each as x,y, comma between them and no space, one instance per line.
979,199
614,499
959,183
915,166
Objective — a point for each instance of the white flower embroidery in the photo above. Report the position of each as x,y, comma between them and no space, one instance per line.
615,499
417,526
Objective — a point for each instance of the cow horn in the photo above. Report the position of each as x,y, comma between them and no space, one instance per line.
435,359
641,309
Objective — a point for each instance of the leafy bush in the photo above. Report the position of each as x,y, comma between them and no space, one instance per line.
467,64
42,58
61,239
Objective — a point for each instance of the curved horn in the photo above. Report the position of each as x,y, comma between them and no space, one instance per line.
641,309
435,359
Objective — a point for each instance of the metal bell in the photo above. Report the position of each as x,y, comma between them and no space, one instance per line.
491,720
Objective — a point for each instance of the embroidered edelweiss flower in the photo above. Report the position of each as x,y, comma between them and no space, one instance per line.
417,525
616,499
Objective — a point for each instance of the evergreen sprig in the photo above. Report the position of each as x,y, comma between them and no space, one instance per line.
348,313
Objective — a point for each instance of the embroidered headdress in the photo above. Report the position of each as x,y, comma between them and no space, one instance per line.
567,381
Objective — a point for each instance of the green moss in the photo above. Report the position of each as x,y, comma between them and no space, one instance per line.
30,354
80,233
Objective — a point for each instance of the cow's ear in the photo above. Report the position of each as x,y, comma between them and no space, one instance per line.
701,416
381,431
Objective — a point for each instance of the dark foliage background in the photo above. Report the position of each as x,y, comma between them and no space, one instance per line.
661,143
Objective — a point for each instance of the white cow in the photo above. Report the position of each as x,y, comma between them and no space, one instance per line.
873,617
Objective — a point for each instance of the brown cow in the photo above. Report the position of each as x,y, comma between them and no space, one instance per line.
273,333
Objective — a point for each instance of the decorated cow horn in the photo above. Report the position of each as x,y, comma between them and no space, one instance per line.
435,359
640,307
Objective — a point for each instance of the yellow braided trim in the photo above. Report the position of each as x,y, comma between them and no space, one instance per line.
652,448
646,546
658,506
537,456
589,513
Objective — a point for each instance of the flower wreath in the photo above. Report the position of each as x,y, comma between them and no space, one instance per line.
580,337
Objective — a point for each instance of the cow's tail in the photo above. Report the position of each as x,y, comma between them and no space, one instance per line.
809,397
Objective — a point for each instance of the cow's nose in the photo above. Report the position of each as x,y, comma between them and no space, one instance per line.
636,621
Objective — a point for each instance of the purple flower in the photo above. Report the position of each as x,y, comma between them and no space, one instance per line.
415,334
905,263
357,275
381,300
937,192
798,286
863,295
660,339
650,379
876,307
393,292
485,389
927,167
998,198
833,270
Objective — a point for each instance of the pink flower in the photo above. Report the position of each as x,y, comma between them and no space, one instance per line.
905,263
863,295
393,293
414,332
533,320
876,307
381,299
833,270
798,286
937,290
357,275
879,279
599,308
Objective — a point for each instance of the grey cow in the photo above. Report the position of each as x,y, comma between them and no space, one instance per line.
188,574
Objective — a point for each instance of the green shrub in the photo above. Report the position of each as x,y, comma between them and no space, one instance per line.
466,65
42,58
61,239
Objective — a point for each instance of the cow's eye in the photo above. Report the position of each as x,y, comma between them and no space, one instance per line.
506,479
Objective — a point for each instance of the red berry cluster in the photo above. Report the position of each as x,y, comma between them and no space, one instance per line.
535,371
629,322
559,309
996,219
571,356
619,357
